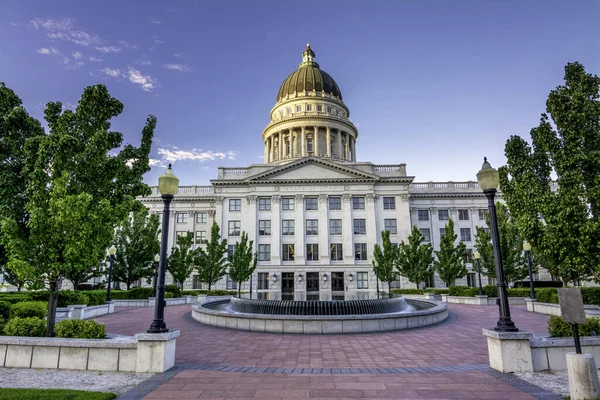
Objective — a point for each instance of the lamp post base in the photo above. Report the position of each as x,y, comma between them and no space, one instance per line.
158,327
506,325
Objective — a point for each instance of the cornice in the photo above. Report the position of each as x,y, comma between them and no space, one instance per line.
324,118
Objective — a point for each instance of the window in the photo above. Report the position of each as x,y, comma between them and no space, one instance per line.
360,251
483,213
264,252
262,296
329,109
335,226
319,108
463,214
442,231
468,256
312,227
287,252
298,108
264,227
196,284
426,234
231,285
181,233
308,107
360,227
358,203
287,203
312,285
335,203
234,228
423,215
312,252
311,203
288,110
235,204
390,225
287,227
263,280
362,280
309,146
201,237
465,234
230,250
264,204
201,218
336,252
181,218
389,203
443,215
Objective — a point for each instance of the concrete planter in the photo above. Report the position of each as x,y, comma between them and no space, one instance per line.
554,309
482,300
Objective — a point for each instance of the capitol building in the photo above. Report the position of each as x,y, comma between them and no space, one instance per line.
315,211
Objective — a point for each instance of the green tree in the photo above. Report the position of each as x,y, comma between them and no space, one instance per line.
136,240
384,258
243,262
82,273
563,226
16,127
78,189
183,259
483,245
415,259
450,262
212,262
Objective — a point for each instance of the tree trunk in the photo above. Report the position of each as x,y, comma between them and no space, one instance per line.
75,284
128,284
390,289
418,285
52,302
239,290
209,287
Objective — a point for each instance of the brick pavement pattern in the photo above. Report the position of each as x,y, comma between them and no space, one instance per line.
457,342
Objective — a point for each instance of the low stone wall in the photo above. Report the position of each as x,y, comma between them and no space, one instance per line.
554,309
322,324
143,352
482,300
132,303
81,311
551,353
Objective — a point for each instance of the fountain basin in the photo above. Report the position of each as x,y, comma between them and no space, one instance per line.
219,313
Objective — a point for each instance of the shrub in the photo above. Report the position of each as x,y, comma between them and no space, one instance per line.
538,284
139,292
193,292
519,292
96,297
13,299
222,293
437,291
4,309
173,289
118,295
406,291
591,295
42,295
2,324
35,327
559,328
463,291
27,309
71,297
80,329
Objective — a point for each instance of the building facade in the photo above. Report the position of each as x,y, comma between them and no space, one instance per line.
313,211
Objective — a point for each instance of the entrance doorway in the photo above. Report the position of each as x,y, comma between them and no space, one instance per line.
312,286
287,286
337,286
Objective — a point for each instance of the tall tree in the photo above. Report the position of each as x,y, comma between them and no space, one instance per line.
415,258
16,127
450,258
78,189
383,260
562,225
83,273
212,262
483,245
243,262
136,240
183,259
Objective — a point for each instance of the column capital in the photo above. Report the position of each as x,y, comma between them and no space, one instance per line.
299,198
371,197
219,200
323,198
211,213
275,199
347,198
251,199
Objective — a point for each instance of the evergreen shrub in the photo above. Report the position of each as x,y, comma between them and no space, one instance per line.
28,309
80,329
33,327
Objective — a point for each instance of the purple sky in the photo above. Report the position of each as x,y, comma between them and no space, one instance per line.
434,84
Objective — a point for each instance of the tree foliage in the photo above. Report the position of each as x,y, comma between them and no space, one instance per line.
384,258
415,259
183,259
212,261
77,190
136,240
450,258
563,226
243,262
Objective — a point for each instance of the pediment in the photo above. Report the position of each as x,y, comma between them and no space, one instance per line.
312,169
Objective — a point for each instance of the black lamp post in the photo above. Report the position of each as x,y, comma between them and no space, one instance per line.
156,260
488,179
527,249
111,255
477,258
167,185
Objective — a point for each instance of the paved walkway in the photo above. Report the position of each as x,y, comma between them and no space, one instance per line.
445,361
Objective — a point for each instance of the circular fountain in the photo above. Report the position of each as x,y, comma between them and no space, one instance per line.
337,316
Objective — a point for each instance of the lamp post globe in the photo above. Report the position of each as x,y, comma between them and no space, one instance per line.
112,250
156,260
488,179
168,184
527,250
477,257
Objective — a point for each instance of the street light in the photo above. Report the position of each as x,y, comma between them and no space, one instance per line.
488,179
167,185
477,258
527,249
112,250
156,261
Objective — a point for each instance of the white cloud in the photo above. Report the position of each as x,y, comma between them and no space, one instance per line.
158,41
111,72
173,154
95,59
77,55
155,22
145,62
127,44
108,49
155,163
48,51
145,81
178,67
180,55
65,29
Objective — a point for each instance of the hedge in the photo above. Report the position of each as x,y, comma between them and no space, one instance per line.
5,309
559,328
27,309
80,329
33,327
13,299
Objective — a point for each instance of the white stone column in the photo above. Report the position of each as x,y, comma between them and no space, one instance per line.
353,150
339,144
219,217
280,136
249,224
276,231
328,142
347,229
303,144
323,230
211,220
299,230
316,139
173,228
372,234
292,147
192,215
346,153
266,151
272,149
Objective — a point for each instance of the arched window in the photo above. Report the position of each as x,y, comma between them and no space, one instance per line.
310,145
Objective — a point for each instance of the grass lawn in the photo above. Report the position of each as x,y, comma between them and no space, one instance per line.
52,394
